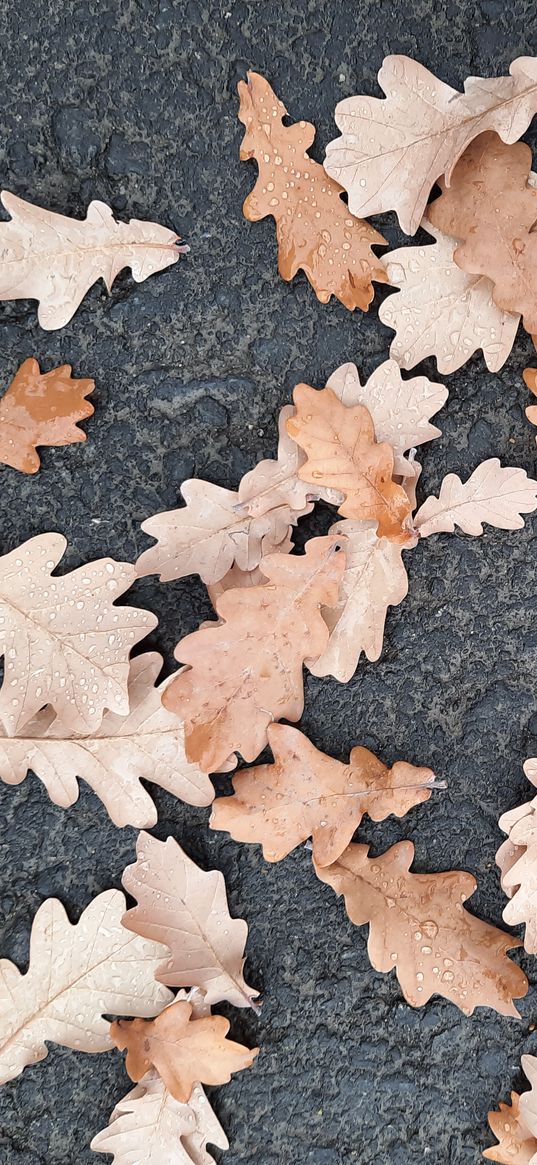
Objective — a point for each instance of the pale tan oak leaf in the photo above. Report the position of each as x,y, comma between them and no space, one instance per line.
492,494
374,579
419,928
246,578
184,1050
392,151
516,1144
64,641
305,793
186,909
147,744
219,528
55,259
400,409
246,669
517,860
528,1100
441,310
77,973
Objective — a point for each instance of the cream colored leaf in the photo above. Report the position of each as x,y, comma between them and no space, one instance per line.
392,152
186,909
76,975
528,1100
374,579
517,859
442,311
220,527
148,745
55,259
64,641
400,409
492,494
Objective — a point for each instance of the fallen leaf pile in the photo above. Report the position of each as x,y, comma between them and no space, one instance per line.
107,963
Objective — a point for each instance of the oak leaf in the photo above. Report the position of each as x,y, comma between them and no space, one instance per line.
374,578
315,231
245,670
443,311
344,455
64,641
41,408
491,207
148,745
219,528
77,974
400,409
492,494
392,151
517,859
419,928
236,577
186,909
516,1145
308,794
149,1126
185,1051
530,380
55,259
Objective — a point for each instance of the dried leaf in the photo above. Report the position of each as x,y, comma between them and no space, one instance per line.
64,641
308,794
219,527
442,311
530,380
517,859
400,409
344,455
41,408
392,152
186,909
245,578
149,1127
492,494
315,231
374,579
419,927
528,1100
246,670
56,259
516,1144
148,745
185,1051
491,207
76,975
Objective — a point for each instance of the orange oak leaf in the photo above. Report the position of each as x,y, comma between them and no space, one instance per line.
392,152
419,928
187,908
41,408
530,380
316,232
308,794
344,455
494,494
55,259
516,1145
491,207
245,670
64,640
184,1051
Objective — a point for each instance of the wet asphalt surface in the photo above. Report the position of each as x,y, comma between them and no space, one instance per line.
135,103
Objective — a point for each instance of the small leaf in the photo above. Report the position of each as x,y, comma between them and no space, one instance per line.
41,408
492,494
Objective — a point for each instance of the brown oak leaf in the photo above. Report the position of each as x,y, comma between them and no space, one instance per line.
491,207
316,232
186,909
245,670
308,794
419,928
516,1145
344,455
392,152
55,259
41,408
184,1051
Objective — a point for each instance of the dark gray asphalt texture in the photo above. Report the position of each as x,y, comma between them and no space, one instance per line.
135,103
